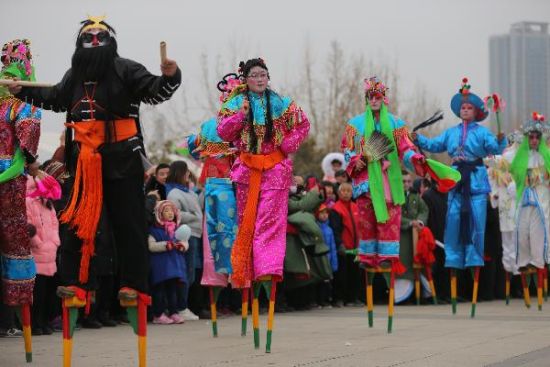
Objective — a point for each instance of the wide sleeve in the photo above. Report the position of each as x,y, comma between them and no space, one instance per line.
149,88
298,133
230,126
27,130
405,147
351,154
55,98
433,145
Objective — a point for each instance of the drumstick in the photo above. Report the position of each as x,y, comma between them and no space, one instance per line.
162,52
23,83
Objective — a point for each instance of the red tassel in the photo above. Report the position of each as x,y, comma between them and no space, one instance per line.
398,268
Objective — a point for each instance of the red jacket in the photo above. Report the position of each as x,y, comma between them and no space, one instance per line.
349,214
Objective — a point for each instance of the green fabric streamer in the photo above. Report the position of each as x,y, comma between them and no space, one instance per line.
376,179
519,165
16,169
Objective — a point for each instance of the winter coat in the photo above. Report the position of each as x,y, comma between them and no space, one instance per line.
46,241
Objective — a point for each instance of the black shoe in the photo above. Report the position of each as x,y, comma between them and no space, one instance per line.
36,331
91,324
123,319
47,330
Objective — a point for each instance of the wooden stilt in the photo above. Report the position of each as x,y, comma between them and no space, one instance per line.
507,288
453,290
417,284
540,281
256,313
431,282
213,311
369,277
526,297
390,302
476,287
244,309
271,315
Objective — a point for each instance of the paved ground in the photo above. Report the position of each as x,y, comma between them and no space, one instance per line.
500,336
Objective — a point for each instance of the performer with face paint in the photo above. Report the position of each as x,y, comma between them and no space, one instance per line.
265,128
530,169
467,144
19,133
100,95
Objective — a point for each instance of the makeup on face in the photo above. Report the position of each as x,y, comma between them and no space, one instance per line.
95,38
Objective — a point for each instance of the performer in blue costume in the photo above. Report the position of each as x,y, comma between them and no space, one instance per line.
467,144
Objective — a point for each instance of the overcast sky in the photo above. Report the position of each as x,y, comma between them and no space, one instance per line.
436,42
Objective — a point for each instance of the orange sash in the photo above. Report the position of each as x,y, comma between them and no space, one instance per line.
83,211
241,254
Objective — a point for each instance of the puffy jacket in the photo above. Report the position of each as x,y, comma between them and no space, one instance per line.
46,241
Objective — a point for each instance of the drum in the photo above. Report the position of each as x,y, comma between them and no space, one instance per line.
403,288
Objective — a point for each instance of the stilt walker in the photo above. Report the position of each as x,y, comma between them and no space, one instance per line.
101,95
220,219
530,169
374,143
20,132
467,144
503,196
265,128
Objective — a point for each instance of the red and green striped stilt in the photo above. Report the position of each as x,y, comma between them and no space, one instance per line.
540,281
417,283
73,298
136,308
476,287
214,292
431,283
24,313
245,292
256,287
525,286
507,288
271,289
369,277
453,290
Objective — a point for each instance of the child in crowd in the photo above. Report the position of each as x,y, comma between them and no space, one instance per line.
43,221
324,289
344,218
168,265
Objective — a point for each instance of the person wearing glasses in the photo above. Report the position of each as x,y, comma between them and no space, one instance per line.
265,128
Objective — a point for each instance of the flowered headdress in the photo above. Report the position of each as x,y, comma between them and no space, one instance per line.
17,60
537,123
373,86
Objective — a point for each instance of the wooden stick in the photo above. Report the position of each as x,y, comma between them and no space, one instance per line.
431,282
507,288
26,322
370,308
545,288
525,285
256,313
24,83
417,286
474,295
244,310
390,303
213,315
271,315
453,290
540,277
162,52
